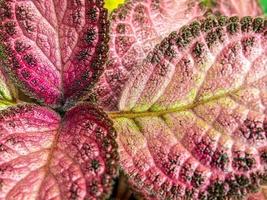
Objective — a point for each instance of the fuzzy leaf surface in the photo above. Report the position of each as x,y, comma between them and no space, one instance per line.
192,120
54,50
45,157
136,27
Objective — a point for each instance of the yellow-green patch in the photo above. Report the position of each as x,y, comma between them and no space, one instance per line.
112,4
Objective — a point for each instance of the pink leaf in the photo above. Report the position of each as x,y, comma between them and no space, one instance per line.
238,7
192,120
44,157
136,27
258,196
54,49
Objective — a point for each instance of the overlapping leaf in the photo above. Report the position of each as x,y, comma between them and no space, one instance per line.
192,120
54,50
44,157
136,28
192,113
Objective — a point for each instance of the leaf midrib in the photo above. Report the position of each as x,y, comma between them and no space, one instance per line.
151,113
50,157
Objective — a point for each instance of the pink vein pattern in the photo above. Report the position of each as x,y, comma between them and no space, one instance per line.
45,157
192,122
136,28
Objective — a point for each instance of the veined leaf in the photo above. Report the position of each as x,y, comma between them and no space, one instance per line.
54,50
192,119
43,157
136,27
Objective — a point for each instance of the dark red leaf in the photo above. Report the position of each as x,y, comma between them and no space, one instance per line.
54,50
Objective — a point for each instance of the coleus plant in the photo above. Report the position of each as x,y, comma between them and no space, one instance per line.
188,102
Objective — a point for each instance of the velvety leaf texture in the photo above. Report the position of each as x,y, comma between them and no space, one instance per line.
186,91
54,49
192,120
43,157
136,27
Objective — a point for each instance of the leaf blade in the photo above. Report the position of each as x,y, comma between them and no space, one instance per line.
136,27
44,157
44,41
211,145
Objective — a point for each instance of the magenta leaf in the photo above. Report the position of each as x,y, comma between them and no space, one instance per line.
192,119
44,157
54,49
136,27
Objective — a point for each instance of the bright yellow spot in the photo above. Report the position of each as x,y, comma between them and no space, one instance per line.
112,4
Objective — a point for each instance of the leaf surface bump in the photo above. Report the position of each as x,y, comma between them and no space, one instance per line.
192,120
44,157
54,49
136,27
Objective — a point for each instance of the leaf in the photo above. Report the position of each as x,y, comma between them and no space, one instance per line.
192,120
44,157
136,27
238,7
54,50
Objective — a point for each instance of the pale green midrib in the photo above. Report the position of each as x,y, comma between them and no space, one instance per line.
8,103
148,113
